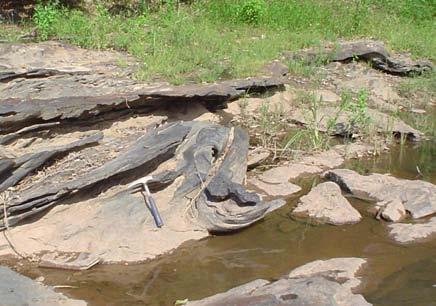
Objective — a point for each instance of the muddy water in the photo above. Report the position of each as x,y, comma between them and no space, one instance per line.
396,274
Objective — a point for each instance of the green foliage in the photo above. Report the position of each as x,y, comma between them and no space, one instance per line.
209,40
250,11
45,16
358,108
269,121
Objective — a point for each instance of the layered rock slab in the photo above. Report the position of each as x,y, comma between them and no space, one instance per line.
305,286
18,290
197,169
371,51
418,197
326,204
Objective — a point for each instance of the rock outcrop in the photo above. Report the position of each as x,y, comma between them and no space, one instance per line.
198,169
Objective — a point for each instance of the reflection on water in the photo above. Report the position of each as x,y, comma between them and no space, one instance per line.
396,274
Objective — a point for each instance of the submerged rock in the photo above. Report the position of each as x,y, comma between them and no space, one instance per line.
342,270
18,290
418,197
413,232
320,283
326,204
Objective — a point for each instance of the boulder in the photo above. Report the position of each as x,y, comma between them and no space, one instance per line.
18,290
392,210
418,197
326,204
305,286
413,232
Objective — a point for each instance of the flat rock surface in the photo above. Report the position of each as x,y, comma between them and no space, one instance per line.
418,197
320,283
342,270
18,290
283,189
413,232
326,204
285,173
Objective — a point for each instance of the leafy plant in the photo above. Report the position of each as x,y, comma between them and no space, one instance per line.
44,17
269,122
359,118
251,11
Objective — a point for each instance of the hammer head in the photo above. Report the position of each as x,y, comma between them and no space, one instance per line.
140,182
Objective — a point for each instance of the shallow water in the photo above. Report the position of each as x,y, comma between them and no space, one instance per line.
396,274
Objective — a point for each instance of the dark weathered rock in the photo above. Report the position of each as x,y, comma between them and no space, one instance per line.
373,52
418,197
4,139
5,165
18,290
152,148
17,113
306,287
28,163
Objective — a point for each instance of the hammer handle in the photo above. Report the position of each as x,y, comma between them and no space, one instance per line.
154,211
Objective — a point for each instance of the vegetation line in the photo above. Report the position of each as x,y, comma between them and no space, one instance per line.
203,41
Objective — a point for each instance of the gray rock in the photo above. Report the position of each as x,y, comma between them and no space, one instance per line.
312,287
418,197
413,232
326,204
18,290
371,51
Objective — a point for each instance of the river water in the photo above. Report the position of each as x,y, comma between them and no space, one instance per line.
396,274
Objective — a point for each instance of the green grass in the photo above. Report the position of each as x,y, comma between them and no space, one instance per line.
210,40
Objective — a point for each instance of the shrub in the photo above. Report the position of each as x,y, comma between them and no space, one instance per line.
251,11
44,17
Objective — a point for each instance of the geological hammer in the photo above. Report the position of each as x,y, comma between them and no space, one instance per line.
148,198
